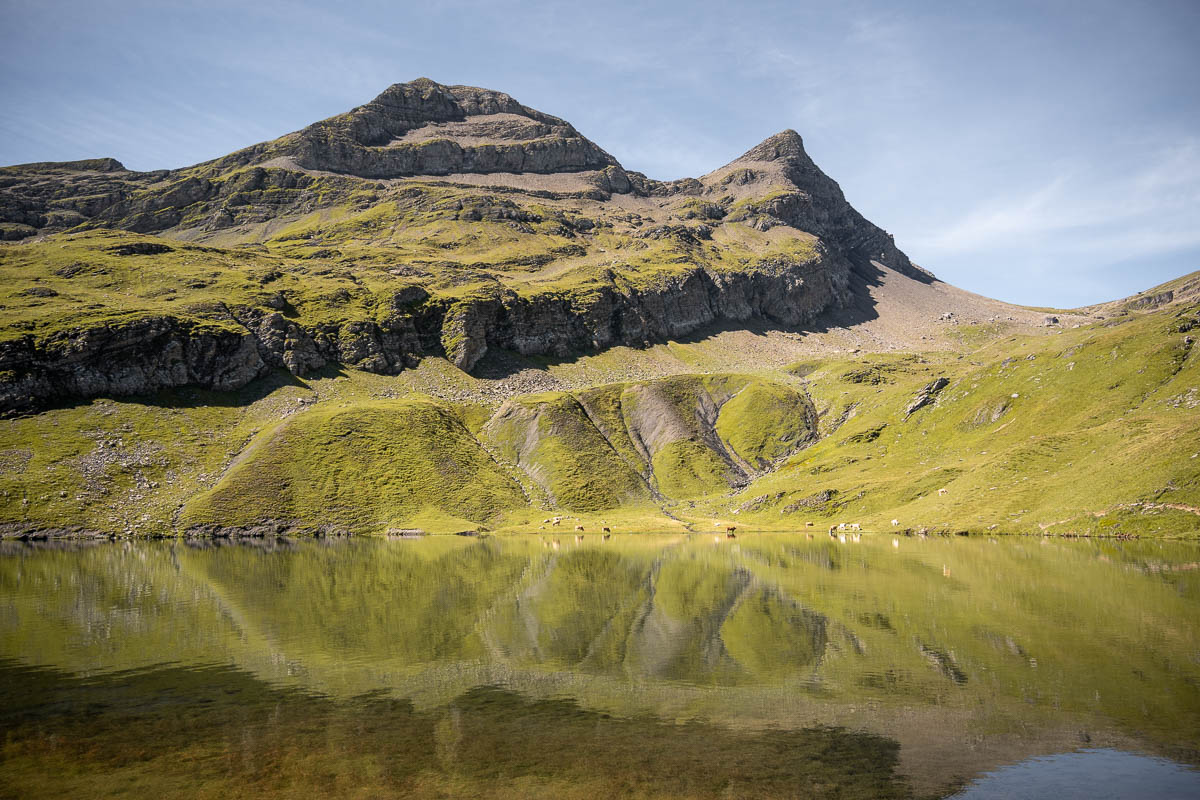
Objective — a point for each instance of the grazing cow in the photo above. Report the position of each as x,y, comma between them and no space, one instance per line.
941,491
606,530
895,522
730,529
578,527
555,522
808,524
854,526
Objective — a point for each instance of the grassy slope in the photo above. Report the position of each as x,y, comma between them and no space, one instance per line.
345,260
1058,432
373,465
1104,418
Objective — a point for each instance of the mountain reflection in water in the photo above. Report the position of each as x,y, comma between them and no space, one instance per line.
648,666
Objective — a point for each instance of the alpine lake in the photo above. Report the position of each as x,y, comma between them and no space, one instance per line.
646,666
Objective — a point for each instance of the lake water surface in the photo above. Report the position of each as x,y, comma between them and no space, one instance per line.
641,666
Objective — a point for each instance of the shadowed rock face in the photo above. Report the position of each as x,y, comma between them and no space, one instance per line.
147,355
786,292
358,161
139,357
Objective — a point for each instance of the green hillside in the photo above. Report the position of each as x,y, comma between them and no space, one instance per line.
1091,430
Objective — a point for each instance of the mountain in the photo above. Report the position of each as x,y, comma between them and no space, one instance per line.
444,309
433,220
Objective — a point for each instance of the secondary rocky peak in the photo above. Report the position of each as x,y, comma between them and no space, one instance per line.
783,146
776,182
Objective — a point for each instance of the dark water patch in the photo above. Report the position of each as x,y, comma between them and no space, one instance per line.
217,729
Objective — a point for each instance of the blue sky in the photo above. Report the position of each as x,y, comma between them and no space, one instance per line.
1040,152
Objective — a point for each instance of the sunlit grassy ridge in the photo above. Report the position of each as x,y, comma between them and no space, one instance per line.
346,262
368,466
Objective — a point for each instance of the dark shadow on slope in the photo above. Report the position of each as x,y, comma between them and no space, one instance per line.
196,397
193,397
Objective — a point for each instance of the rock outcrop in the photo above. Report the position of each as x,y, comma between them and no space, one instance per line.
145,355
925,396
788,293
136,357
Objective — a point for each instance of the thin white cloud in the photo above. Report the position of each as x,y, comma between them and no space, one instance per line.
1109,215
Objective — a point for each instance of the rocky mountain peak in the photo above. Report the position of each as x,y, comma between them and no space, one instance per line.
424,101
783,146
426,128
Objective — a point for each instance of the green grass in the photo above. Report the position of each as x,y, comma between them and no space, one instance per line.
380,465
766,421
1099,439
552,438
1051,433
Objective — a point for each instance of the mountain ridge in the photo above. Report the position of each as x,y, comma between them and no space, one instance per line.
768,236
